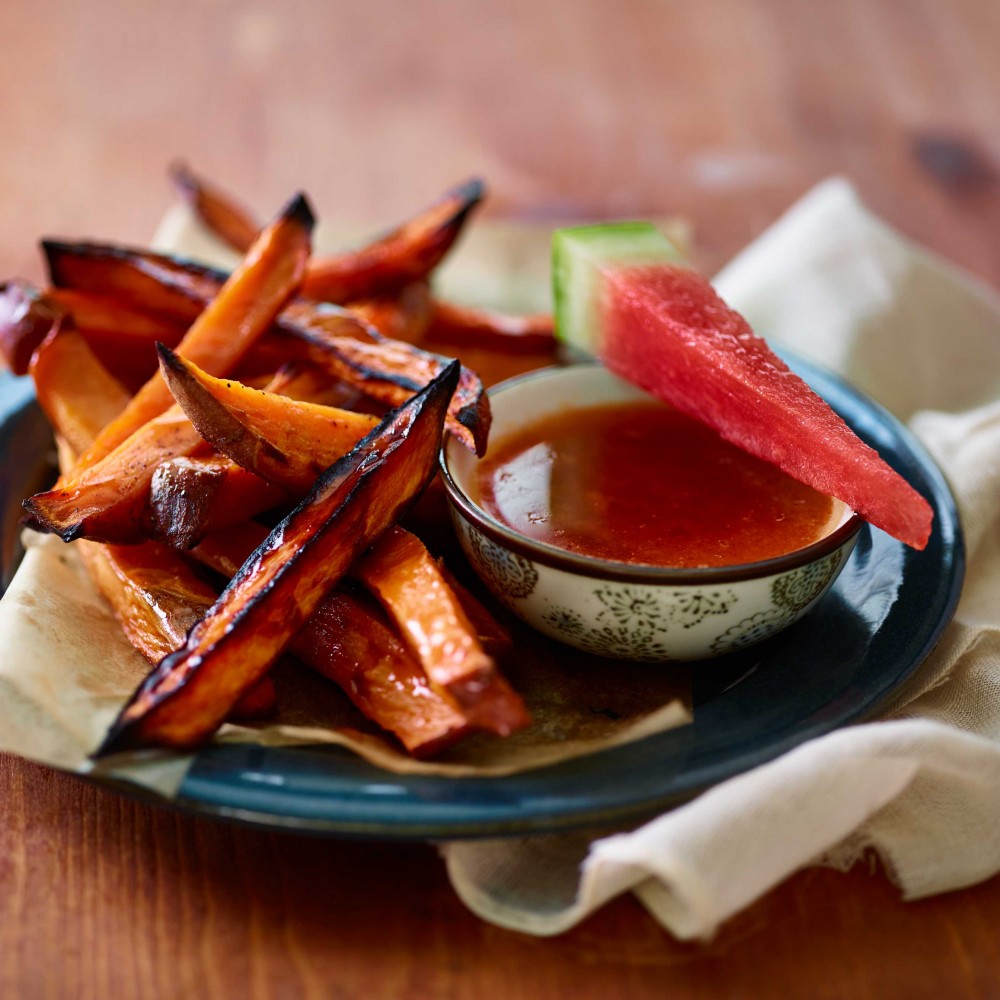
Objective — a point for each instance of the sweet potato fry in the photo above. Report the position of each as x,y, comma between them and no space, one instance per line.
122,337
349,641
157,600
232,223
330,337
408,582
403,316
193,495
26,319
495,639
106,501
153,594
285,441
171,288
465,327
105,316
189,497
407,254
244,308
391,371
74,390
319,386
283,582
309,384
259,701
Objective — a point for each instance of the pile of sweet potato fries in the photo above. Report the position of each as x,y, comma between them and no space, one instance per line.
268,427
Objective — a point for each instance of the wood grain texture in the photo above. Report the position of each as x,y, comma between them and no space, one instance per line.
568,107
106,897
724,112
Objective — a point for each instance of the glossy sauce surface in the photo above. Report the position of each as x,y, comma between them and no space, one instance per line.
642,483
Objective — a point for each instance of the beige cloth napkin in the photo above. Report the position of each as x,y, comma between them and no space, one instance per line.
922,786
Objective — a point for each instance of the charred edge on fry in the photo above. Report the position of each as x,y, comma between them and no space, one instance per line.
55,250
299,210
37,521
183,177
476,419
468,194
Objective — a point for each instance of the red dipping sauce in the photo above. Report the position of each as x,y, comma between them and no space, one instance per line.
642,483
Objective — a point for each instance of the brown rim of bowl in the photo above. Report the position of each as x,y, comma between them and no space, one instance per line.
620,572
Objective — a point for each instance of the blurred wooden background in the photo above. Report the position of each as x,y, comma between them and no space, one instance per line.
722,111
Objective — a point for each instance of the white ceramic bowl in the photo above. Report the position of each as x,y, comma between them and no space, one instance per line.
617,609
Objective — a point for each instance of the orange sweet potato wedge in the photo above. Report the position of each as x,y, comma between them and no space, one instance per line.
109,316
153,594
279,587
403,575
462,326
332,338
408,253
27,317
122,336
192,496
220,213
311,385
244,308
404,316
174,289
390,371
157,599
106,501
73,388
285,441
349,641
493,637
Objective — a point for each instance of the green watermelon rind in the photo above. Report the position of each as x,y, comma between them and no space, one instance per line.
580,254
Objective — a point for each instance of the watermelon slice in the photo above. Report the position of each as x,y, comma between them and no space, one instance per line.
623,295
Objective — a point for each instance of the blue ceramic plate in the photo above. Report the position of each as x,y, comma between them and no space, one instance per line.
863,640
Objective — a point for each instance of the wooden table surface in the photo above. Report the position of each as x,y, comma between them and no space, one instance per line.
723,112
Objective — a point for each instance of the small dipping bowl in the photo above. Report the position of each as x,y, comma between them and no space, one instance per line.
617,609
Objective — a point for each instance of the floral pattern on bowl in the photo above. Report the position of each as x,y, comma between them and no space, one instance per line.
648,622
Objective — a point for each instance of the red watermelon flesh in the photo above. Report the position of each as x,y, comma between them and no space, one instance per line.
665,330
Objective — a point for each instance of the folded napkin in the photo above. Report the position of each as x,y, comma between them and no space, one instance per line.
921,786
